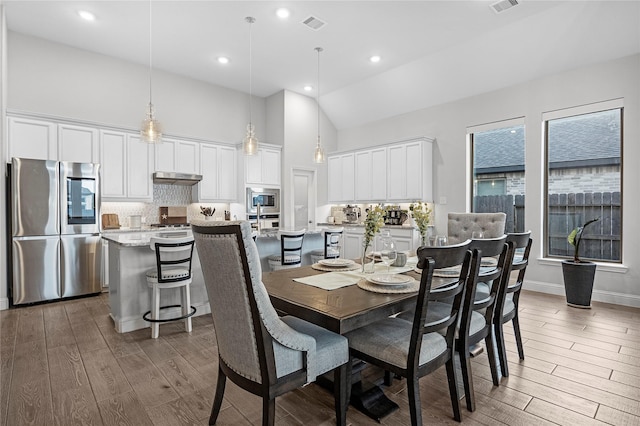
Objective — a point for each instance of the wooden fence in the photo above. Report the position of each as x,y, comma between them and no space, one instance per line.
602,239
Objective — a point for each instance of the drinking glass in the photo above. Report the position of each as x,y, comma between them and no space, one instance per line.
388,252
442,240
477,235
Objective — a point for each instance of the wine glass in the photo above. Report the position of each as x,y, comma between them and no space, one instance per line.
388,252
442,240
477,235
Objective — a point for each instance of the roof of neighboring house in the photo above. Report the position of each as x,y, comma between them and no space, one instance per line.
583,140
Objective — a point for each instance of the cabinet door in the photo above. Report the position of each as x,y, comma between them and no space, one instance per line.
78,144
187,157
334,172
113,159
364,175
397,172
352,244
165,156
379,174
348,178
270,167
227,174
208,187
32,139
413,159
139,170
253,168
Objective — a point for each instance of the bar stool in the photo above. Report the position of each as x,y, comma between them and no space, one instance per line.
331,249
173,270
290,250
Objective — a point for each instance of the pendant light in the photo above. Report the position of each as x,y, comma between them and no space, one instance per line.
318,156
151,131
250,142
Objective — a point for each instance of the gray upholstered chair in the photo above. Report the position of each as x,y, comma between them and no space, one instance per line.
460,226
415,348
259,351
508,302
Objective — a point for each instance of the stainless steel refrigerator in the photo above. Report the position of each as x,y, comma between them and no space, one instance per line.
55,230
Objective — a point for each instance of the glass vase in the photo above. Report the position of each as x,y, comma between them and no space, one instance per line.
368,262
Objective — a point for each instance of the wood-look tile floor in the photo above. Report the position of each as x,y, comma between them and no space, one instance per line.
63,363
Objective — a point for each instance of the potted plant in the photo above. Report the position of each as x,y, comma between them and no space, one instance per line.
578,274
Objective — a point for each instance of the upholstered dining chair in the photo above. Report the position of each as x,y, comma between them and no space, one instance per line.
460,226
290,250
413,349
260,352
508,300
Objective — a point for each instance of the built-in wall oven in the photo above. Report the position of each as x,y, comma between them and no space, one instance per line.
267,198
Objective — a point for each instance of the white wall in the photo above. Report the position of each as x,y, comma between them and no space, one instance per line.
448,122
3,210
54,79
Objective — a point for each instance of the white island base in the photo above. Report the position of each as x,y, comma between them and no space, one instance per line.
130,296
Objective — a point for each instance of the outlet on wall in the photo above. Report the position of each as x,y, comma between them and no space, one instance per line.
443,200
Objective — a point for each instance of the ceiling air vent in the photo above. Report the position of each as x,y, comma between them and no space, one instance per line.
503,5
315,23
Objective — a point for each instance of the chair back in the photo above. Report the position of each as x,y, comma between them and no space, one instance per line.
171,254
332,242
430,258
520,259
240,305
291,246
460,226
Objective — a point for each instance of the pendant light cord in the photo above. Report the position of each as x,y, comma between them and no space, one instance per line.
150,54
318,49
250,20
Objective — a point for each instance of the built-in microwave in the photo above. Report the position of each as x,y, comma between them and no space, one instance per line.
267,198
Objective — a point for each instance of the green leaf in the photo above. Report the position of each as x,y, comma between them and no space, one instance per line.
572,237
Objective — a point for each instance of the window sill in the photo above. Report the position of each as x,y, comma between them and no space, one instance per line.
617,268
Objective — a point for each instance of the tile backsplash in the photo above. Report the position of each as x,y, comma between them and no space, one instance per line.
163,195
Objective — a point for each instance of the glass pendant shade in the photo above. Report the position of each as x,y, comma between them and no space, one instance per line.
151,130
250,142
318,155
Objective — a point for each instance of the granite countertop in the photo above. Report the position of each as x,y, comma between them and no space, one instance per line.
273,233
142,237
360,225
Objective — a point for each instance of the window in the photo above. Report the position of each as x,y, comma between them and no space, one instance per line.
497,164
583,180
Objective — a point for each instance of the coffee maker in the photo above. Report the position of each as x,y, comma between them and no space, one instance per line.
352,213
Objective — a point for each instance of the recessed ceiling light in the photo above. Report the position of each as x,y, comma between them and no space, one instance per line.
308,88
87,16
283,13
375,59
223,60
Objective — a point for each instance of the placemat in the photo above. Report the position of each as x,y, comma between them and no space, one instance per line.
329,281
319,267
412,287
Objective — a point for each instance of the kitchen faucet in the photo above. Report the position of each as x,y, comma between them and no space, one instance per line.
258,215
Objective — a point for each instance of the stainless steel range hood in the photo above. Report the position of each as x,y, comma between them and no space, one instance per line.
172,178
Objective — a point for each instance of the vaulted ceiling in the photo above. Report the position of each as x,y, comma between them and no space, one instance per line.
431,51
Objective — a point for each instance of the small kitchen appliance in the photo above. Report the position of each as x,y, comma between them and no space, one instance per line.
267,198
352,213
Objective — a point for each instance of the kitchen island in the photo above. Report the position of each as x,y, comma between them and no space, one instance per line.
129,295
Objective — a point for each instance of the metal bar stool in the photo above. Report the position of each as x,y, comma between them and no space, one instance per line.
290,250
331,248
173,270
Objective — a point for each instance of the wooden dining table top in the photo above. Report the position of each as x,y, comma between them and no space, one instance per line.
340,310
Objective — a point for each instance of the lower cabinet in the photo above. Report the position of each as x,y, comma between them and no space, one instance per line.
406,239
352,242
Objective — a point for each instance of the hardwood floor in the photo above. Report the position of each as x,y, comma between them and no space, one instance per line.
63,364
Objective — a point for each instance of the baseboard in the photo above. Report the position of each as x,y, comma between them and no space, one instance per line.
597,296
4,303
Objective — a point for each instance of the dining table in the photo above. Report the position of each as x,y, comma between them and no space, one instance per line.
344,308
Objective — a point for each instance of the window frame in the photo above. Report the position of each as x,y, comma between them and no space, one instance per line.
596,107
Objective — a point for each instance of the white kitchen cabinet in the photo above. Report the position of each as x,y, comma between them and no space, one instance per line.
78,144
352,242
263,168
113,164
127,165
409,171
177,156
341,171
28,138
371,175
218,166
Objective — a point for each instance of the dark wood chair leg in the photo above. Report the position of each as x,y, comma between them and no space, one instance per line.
453,388
341,383
465,366
388,378
413,388
502,350
516,330
217,400
493,361
268,411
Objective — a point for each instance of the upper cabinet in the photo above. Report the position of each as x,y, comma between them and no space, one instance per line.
177,156
399,172
218,167
263,168
46,140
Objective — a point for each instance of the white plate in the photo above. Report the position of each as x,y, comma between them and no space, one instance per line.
336,262
390,279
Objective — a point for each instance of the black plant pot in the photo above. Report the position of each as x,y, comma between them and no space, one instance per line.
578,282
